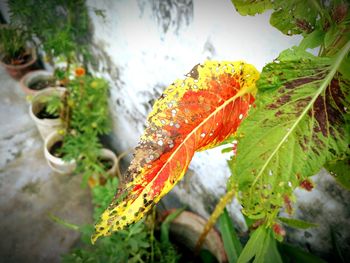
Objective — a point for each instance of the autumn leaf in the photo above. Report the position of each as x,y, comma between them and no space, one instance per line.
297,126
191,115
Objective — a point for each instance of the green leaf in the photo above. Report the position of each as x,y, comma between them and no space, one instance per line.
312,40
294,17
269,253
227,150
262,247
292,254
233,246
252,7
164,229
330,36
254,244
298,125
339,169
296,223
344,68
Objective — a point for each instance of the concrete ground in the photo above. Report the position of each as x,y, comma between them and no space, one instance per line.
30,191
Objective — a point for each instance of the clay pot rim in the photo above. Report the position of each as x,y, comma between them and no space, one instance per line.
24,82
33,59
191,217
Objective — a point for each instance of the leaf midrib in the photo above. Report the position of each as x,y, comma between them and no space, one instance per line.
334,67
240,93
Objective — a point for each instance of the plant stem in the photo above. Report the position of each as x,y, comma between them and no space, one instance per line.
152,233
63,222
214,217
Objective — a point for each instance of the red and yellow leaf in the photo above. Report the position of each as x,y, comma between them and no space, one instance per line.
191,115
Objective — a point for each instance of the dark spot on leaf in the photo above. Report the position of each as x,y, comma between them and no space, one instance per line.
278,113
194,72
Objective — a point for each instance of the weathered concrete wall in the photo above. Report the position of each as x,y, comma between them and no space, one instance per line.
143,46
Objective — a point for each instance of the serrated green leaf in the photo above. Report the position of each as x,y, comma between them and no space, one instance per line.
294,17
296,126
233,246
252,7
312,40
340,171
296,223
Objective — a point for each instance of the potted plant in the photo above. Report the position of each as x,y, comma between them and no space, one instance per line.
37,80
62,30
45,109
83,111
16,56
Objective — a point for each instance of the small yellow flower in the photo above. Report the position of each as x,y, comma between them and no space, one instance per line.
70,103
94,84
61,132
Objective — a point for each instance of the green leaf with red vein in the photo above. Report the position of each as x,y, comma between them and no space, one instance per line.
297,126
193,114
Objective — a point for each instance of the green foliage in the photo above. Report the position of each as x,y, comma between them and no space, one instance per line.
295,128
86,118
301,121
296,223
130,245
165,227
60,25
102,195
339,169
12,43
54,104
252,7
232,245
261,247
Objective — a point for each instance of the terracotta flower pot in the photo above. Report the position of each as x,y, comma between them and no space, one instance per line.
56,163
33,77
105,155
45,125
18,71
186,229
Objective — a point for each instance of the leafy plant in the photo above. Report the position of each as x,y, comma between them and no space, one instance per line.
299,123
13,44
85,116
133,244
60,25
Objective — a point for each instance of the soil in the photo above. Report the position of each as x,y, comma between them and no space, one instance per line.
55,149
41,84
43,114
106,163
19,60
